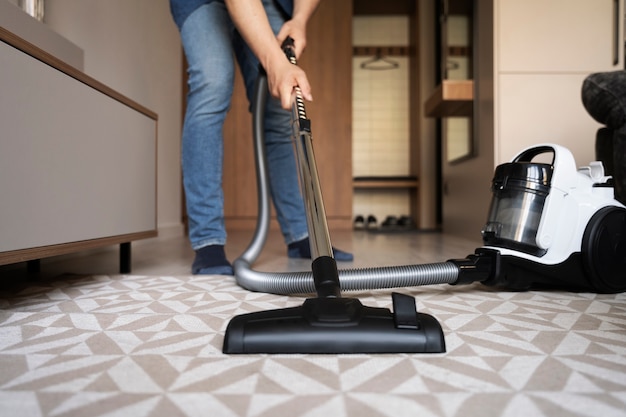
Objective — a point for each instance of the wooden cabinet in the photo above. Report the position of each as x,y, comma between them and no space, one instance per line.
327,61
77,159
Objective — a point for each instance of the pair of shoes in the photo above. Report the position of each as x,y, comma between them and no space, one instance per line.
361,224
406,222
211,260
390,221
398,223
302,250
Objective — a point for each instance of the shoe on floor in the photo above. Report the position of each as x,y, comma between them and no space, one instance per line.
302,250
359,222
406,222
390,221
372,222
211,260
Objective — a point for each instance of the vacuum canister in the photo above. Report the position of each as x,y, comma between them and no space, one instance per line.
555,225
520,189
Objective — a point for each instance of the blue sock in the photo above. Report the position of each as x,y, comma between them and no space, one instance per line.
302,249
211,260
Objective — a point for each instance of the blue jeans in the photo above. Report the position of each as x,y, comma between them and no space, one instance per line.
210,39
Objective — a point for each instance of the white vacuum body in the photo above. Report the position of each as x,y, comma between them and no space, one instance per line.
556,225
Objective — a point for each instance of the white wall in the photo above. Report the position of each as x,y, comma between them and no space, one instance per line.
134,48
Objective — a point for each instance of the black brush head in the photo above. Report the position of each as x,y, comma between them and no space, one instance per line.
334,326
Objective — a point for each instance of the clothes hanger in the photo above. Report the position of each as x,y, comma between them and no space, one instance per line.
379,62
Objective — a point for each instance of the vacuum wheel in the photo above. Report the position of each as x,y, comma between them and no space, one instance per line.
604,250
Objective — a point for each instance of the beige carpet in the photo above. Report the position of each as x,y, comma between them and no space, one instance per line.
151,346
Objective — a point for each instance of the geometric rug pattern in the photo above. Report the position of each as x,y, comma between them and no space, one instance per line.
147,346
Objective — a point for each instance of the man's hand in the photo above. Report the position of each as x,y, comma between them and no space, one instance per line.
283,77
297,32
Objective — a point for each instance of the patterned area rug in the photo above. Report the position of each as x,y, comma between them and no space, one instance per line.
151,346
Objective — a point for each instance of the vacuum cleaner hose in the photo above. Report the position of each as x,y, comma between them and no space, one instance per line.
350,279
302,282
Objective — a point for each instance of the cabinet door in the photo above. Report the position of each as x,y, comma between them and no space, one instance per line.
559,35
76,163
536,108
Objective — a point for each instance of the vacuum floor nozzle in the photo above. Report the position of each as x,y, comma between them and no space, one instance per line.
335,326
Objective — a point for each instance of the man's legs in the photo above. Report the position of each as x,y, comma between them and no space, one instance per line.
207,40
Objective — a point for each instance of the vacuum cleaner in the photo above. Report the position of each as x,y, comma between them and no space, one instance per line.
327,323
549,226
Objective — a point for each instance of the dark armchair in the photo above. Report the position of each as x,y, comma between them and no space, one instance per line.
604,97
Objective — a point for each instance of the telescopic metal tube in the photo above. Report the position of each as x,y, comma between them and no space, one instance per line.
310,184
319,237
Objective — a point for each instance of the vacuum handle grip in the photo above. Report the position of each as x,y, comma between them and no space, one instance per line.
528,154
289,49
563,163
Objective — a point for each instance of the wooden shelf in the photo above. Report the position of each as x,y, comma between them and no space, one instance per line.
380,51
451,98
385,182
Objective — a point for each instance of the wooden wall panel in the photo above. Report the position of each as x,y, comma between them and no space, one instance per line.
328,63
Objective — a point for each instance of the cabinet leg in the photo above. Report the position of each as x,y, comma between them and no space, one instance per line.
33,266
125,258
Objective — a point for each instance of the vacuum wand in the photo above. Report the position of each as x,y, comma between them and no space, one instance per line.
325,272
